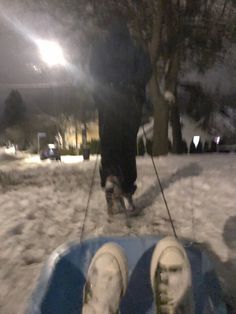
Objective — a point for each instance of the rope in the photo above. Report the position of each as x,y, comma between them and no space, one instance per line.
162,191
89,198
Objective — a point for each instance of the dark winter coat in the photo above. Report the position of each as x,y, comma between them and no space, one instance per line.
115,59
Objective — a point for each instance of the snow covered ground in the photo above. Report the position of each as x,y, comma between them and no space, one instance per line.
42,205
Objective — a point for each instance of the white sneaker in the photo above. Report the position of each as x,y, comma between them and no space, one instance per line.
106,282
171,278
114,198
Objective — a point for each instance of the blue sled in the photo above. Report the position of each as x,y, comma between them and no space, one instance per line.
60,287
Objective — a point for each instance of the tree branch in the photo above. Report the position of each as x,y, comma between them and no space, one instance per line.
155,43
223,10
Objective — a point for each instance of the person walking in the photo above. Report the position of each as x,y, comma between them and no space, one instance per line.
120,69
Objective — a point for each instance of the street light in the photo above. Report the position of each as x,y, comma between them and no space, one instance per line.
51,52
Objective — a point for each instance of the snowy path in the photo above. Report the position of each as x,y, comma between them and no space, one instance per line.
42,206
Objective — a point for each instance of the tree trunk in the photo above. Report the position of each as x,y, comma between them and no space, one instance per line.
161,117
84,134
161,110
63,139
176,130
170,86
76,137
160,131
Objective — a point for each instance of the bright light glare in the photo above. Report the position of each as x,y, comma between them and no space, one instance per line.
196,140
51,53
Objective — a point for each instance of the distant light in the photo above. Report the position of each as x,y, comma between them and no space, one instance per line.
196,140
36,68
51,146
51,53
217,140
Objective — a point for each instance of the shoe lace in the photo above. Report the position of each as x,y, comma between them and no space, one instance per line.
165,301
88,292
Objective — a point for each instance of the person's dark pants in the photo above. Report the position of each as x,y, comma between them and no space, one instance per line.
119,112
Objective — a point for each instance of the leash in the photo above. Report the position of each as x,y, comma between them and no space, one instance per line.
89,198
162,190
